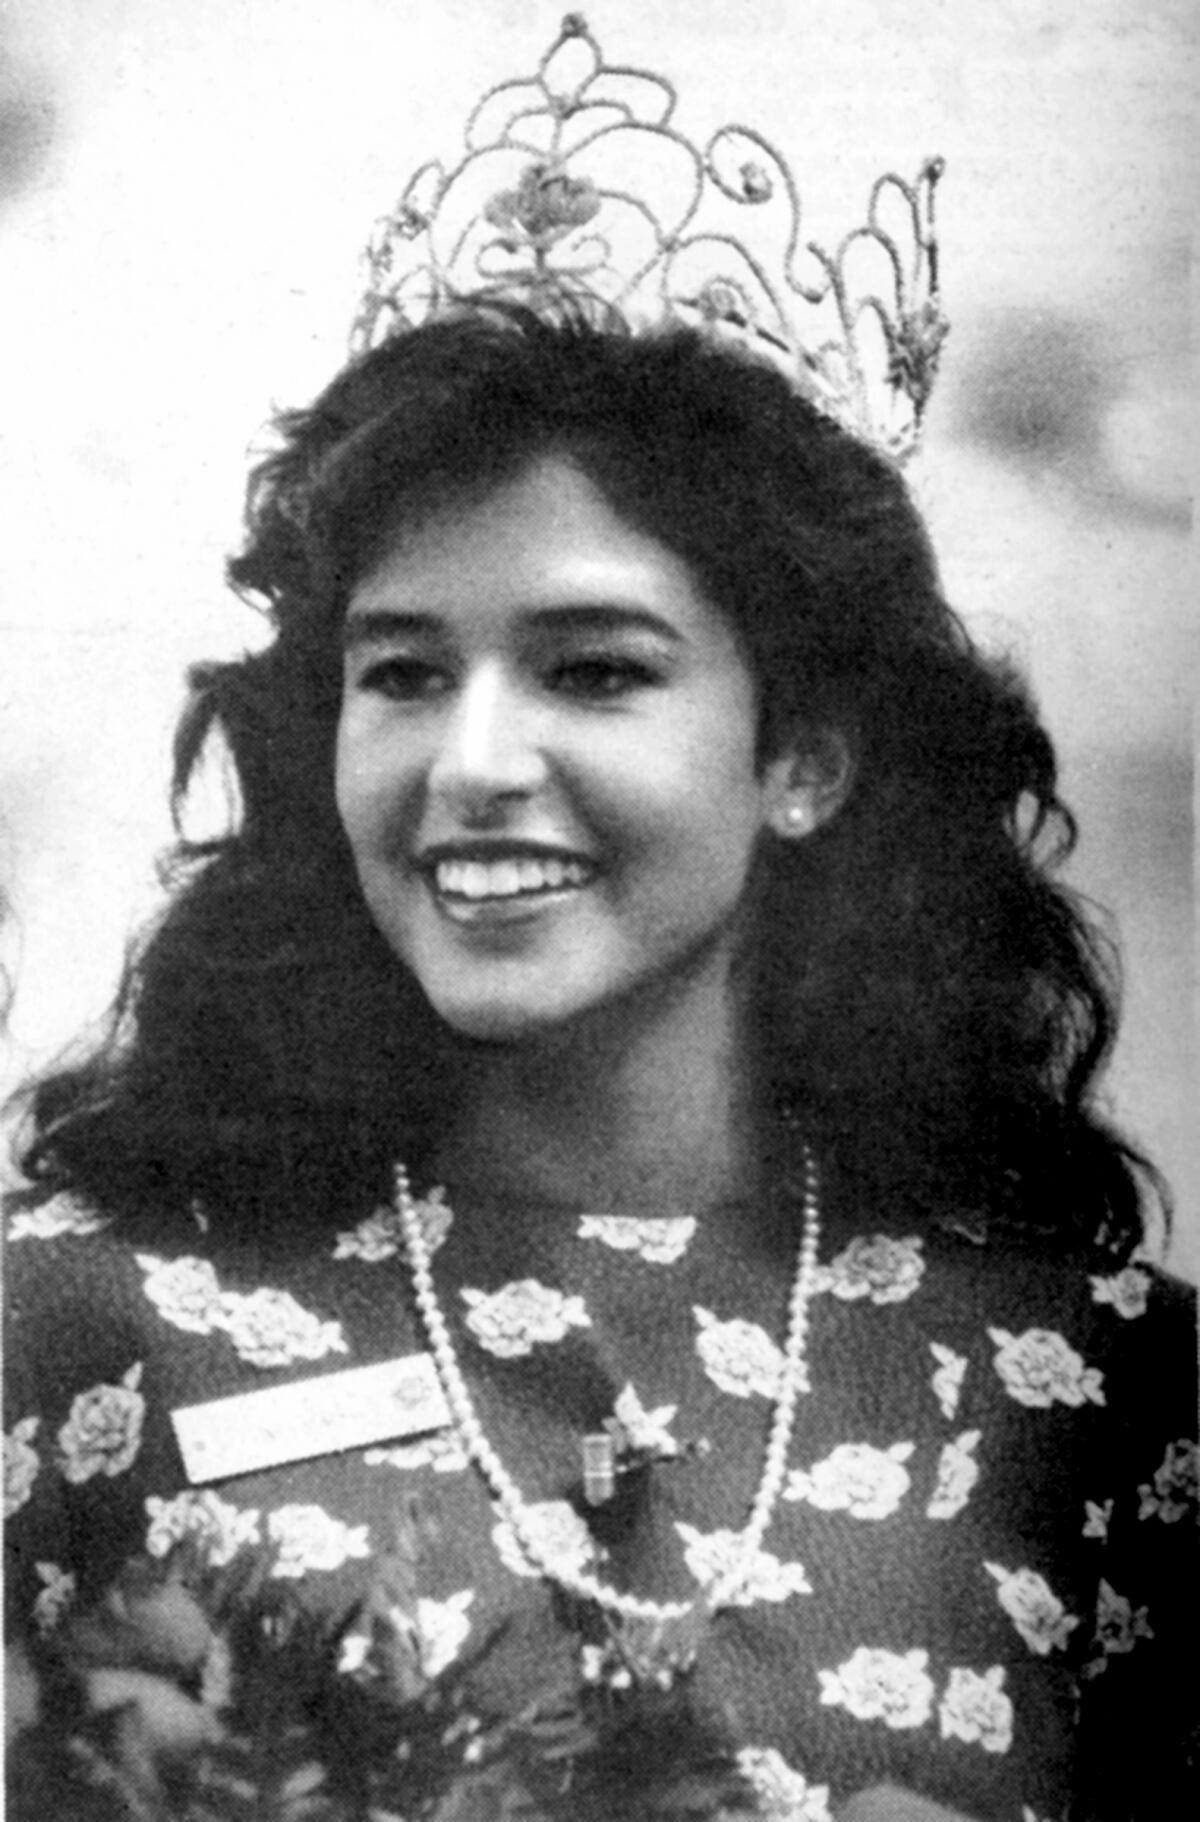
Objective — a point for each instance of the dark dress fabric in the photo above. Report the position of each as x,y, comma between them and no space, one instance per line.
978,1584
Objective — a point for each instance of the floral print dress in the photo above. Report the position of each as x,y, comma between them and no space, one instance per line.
977,1581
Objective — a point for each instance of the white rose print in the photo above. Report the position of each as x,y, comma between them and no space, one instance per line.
713,1555
738,1356
957,1474
20,1464
1036,1612
875,1685
1097,1517
877,1267
381,1235
1119,1624
658,1242
948,1376
976,1708
1127,1291
1039,1369
857,1478
442,1451
184,1291
783,1795
103,1431
376,1238
1175,1491
308,1538
515,1319
270,1329
217,1529
637,1431
560,1535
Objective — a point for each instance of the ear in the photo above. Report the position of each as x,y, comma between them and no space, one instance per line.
807,783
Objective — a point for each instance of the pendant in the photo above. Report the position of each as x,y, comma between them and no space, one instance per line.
652,1653
599,1468
658,1652
645,1654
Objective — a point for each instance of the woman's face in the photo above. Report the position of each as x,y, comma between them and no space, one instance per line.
546,761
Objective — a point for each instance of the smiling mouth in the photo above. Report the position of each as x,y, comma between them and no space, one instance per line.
507,881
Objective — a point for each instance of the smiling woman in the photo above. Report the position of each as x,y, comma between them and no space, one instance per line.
588,1279
546,766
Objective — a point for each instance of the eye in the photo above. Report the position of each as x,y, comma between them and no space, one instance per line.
402,677
602,675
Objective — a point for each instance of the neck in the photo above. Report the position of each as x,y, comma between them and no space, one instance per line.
652,1116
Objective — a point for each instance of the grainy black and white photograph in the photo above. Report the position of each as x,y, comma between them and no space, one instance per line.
597,952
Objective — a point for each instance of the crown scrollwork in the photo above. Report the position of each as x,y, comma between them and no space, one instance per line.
576,189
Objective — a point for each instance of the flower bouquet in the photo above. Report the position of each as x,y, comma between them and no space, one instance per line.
189,1693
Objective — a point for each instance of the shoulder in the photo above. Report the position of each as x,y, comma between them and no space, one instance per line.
267,1297
116,1324
1114,1346
70,1283
1028,1269
1141,1323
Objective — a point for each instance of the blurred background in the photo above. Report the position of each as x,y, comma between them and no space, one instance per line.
184,194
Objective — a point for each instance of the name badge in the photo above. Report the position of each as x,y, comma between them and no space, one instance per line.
311,1417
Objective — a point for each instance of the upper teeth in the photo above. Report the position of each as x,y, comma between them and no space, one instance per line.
503,878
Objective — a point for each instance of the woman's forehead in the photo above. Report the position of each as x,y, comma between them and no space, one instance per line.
541,547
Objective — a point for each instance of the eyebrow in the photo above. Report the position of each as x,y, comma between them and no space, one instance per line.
380,625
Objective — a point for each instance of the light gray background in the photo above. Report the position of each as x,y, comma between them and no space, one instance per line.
186,191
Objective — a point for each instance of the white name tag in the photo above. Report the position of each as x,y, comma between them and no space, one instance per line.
311,1417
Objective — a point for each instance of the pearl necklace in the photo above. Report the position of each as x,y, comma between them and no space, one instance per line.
793,1380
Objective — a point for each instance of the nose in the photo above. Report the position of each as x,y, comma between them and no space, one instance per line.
487,751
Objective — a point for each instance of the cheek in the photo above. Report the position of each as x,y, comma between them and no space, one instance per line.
350,785
724,823
368,784
712,780
689,809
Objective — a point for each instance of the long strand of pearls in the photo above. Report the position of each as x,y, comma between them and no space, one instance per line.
793,1380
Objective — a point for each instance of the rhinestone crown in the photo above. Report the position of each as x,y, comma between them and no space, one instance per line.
540,209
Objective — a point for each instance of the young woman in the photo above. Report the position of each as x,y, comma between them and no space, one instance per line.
635,981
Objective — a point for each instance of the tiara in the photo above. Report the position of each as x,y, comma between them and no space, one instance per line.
538,210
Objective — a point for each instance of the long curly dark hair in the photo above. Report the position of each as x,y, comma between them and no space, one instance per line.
927,996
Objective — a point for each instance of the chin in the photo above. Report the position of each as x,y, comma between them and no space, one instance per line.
496,1022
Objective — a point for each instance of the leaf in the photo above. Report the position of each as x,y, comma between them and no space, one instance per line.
146,1620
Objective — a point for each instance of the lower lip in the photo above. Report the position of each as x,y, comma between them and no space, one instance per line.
491,912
